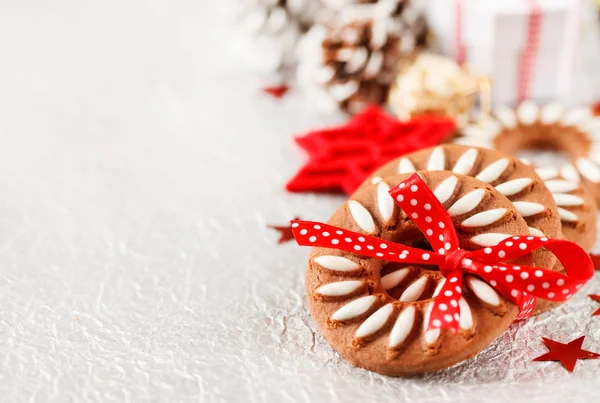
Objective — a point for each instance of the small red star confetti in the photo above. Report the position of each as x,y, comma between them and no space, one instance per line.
285,232
567,354
597,299
342,157
277,91
595,260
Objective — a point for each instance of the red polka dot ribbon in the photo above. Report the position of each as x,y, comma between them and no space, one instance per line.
520,284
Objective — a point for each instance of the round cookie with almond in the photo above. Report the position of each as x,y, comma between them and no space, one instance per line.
374,314
573,132
512,178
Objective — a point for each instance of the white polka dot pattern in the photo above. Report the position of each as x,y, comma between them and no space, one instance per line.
414,201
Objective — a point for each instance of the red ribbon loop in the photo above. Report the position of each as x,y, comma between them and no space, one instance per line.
520,284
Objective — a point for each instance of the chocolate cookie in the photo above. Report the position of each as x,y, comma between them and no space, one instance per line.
574,132
576,207
512,178
374,314
577,211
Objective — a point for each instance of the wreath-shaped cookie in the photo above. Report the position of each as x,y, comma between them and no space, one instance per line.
534,193
373,315
573,132
429,309
576,207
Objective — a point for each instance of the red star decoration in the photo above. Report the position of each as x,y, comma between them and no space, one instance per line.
341,158
277,91
285,232
567,354
595,260
597,299
596,108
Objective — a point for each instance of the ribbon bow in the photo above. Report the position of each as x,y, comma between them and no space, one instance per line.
520,284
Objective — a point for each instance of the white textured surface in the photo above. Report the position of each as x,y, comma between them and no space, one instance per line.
133,155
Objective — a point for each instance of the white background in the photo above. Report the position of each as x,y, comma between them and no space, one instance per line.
139,166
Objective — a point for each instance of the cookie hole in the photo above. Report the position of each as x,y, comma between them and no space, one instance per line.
411,236
543,144
409,283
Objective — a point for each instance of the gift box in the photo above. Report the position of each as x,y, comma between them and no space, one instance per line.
529,48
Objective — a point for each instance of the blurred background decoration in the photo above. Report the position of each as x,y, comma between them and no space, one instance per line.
347,54
431,84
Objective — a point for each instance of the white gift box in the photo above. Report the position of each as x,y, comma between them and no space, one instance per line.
499,36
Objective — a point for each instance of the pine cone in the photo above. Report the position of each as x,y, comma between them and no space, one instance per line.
404,13
268,31
305,12
395,7
350,62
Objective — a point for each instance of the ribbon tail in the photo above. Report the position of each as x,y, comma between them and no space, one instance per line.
526,305
515,280
310,233
445,312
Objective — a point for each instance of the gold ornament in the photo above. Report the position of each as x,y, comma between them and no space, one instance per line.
430,84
